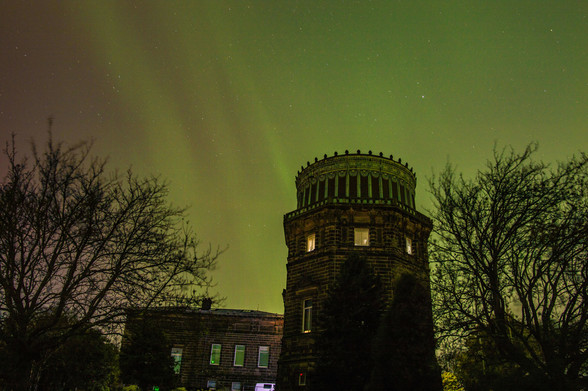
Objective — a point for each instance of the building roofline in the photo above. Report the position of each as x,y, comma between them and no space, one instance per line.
336,155
215,311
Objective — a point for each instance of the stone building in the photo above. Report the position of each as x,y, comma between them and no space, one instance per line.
219,349
351,203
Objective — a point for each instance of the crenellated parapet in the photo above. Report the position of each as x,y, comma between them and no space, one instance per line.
349,204
356,178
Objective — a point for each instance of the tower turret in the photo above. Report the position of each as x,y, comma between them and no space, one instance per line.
346,203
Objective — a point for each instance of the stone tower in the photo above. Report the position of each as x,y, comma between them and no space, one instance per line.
351,203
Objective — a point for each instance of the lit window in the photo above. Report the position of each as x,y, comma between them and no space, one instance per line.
215,353
236,386
409,249
302,379
239,355
362,236
310,242
176,354
307,316
211,384
263,358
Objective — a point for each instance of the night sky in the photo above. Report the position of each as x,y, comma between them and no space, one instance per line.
227,99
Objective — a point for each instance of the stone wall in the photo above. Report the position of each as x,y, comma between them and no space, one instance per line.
195,331
397,243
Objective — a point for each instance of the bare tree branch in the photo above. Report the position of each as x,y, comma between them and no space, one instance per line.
79,244
510,261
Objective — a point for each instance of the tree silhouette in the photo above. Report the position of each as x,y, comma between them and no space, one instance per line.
347,325
86,361
404,347
510,261
481,367
77,243
145,357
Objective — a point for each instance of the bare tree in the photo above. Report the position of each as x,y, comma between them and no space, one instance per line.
78,246
510,261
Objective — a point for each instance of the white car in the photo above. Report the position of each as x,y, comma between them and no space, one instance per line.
264,387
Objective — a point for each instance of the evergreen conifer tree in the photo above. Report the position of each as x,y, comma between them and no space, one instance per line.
404,347
145,358
348,323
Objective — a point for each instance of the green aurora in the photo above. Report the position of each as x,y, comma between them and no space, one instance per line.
227,99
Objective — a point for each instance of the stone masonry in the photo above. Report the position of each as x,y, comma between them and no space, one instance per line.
192,333
351,203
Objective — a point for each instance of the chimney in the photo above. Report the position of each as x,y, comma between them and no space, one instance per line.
206,304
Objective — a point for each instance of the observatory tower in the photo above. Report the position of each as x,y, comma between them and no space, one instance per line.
347,204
